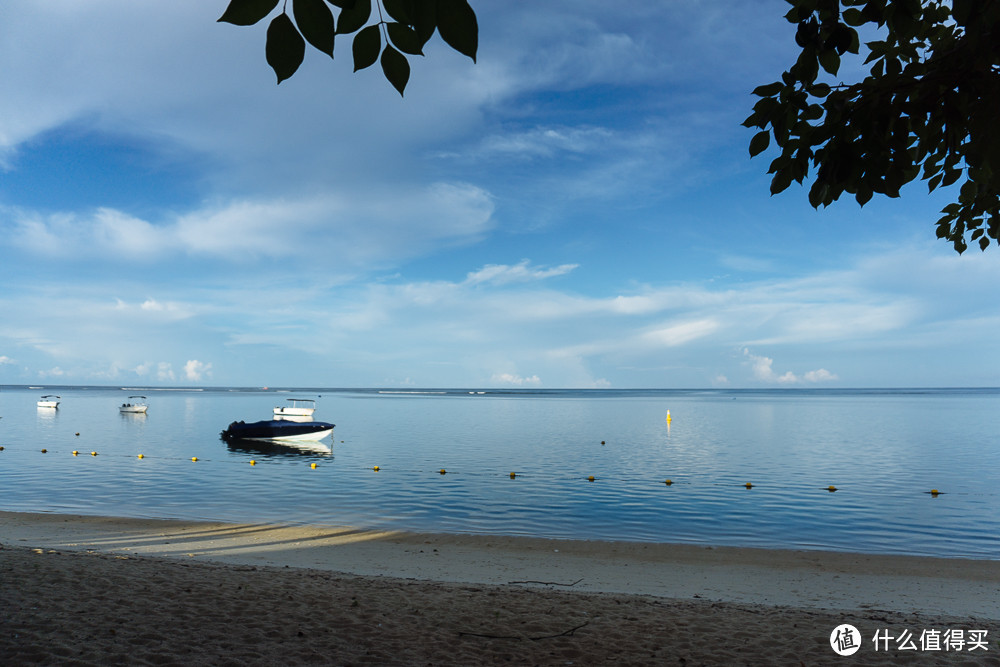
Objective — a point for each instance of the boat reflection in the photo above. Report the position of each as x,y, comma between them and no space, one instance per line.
279,449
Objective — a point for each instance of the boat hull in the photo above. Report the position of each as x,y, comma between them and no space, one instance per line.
278,430
133,409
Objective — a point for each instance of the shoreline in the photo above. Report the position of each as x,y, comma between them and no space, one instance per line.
805,579
103,591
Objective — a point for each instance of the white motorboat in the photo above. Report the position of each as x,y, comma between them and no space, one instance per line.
137,406
49,401
300,410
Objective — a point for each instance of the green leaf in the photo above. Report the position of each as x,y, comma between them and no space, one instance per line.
853,17
425,22
395,68
829,60
315,20
247,12
760,142
769,90
352,19
781,181
402,11
458,26
285,47
366,47
405,39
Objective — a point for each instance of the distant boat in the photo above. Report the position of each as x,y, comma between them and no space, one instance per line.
300,410
278,430
47,402
139,407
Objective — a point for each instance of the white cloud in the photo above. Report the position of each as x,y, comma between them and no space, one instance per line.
500,274
164,372
515,380
4,359
763,371
195,370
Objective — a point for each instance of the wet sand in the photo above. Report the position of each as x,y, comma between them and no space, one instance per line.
97,590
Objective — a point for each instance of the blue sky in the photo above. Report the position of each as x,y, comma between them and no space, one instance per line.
578,209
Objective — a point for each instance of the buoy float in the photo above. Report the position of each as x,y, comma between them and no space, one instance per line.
513,475
669,482
44,451
831,488
312,465
590,479
93,453
602,442
668,416
78,434
194,458
252,462
443,471
749,485
74,452
934,492
375,468
140,456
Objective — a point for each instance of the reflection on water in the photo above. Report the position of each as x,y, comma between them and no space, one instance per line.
882,450
278,449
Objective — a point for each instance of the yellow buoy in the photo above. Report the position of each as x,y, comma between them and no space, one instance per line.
252,462
312,465
669,482
375,468
934,492
590,479
93,453
749,485
75,452
443,471
513,475
194,458
44,451
831,488
668,416
141,456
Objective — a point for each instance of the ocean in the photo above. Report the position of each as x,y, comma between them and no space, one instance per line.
445,459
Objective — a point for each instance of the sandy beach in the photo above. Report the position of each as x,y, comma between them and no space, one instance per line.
95,590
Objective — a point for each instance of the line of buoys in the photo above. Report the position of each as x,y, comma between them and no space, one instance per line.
513,475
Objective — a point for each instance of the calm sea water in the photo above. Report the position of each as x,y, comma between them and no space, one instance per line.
882,450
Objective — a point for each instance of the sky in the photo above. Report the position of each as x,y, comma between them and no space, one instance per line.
576,209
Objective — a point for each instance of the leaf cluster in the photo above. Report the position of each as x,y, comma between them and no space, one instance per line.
384,31
926,107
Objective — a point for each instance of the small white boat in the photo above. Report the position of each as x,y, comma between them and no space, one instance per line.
49,401
300,410
137,407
